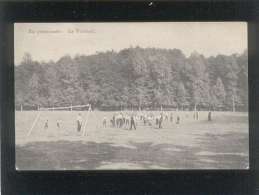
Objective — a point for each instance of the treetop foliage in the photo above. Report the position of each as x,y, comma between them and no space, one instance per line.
135,77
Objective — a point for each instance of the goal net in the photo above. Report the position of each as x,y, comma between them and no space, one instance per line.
55,120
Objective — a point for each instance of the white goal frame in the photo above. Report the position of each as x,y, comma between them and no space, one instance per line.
61,108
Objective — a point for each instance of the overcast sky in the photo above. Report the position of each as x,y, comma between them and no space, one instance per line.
50,41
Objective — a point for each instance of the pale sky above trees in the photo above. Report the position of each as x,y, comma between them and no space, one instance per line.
50,41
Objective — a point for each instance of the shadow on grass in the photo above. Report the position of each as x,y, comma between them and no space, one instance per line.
77,155
230,150
65,155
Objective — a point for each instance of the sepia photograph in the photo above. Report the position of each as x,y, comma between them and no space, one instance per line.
131,96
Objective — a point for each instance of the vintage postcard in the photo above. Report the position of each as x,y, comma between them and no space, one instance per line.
131,95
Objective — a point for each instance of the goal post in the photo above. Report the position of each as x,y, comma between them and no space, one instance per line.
86,120
33,124
68,108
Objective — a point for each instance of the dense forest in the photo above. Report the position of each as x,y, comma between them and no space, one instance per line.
135,77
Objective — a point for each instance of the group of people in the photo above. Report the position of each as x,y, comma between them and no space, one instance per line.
120,120
129,120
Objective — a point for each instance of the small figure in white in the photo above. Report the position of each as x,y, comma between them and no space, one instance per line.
46,124
127,120
132,122
104,122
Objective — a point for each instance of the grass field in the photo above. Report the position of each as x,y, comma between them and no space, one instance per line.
218,144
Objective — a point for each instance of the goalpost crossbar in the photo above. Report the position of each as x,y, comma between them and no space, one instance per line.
64,107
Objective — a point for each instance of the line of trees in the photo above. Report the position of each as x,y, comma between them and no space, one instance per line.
135,77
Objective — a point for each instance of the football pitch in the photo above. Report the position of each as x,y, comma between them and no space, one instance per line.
222,143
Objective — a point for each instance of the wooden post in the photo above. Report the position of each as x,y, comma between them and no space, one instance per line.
21,107
233,103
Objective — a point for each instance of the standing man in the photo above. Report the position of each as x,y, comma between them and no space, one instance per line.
197,115
166,117
160,121
104,121
157,120
132,122
171,117
113,120
178,120
58,123
209,116
79,122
